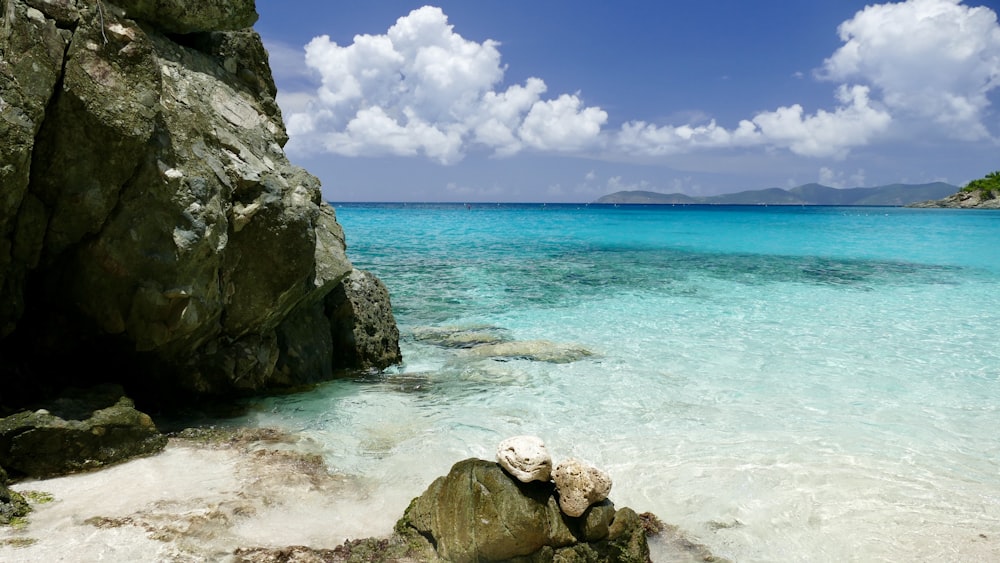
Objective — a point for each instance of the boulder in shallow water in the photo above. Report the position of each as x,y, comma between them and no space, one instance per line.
479,513
80,431
363,327
526,458
580,485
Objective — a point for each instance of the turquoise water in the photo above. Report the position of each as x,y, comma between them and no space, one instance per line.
784,384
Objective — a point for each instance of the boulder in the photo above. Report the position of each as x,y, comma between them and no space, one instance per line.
479,513
82,430
151,227
580,485
363,327
526,458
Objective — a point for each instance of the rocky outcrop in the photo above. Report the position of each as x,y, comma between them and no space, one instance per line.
962,200
152,230
79,431
479,513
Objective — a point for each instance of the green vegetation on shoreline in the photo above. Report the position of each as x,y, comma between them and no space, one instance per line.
987,186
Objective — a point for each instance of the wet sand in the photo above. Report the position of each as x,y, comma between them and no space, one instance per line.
204,497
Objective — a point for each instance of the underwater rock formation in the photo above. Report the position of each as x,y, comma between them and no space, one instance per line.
152,231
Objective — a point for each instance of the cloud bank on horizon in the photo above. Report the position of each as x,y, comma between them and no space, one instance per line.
915,68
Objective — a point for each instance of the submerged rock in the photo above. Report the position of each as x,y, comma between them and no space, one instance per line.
459,336
535,350
526,458
80,431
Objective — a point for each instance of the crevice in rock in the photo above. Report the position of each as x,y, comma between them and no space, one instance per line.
36,163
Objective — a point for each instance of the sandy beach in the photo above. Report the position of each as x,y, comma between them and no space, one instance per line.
202,498
196,501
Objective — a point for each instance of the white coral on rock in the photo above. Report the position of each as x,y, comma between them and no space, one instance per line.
526,458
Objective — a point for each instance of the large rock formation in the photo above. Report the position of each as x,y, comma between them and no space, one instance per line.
152,231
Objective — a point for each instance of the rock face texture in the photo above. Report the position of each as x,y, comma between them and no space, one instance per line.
364,330
152,230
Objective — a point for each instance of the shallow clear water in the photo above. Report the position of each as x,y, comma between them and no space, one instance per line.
785,384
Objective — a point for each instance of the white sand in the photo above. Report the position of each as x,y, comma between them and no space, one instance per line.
198,503
193,503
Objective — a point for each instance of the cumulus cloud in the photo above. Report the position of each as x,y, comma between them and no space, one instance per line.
903,65
835,179
824,134
821,134
931,60
421,88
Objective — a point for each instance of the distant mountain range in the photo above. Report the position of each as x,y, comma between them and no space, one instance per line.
808,194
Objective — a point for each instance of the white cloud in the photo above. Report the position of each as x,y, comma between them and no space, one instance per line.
562,124
822,134
645,138
421,88
918,65
834,179
929,60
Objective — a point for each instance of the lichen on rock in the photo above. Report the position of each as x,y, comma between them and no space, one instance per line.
12,504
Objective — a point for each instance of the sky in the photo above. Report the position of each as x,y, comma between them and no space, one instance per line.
566,101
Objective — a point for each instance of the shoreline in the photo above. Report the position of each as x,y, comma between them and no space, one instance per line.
212,492
198,500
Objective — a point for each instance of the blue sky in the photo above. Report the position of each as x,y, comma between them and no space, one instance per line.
511,100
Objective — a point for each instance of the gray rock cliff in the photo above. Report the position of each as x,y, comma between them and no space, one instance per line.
152,231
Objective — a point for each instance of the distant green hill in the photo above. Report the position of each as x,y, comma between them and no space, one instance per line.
808,194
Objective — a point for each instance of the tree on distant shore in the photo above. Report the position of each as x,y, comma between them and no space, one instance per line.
988,187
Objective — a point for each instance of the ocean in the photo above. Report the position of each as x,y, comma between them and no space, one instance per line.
782,383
